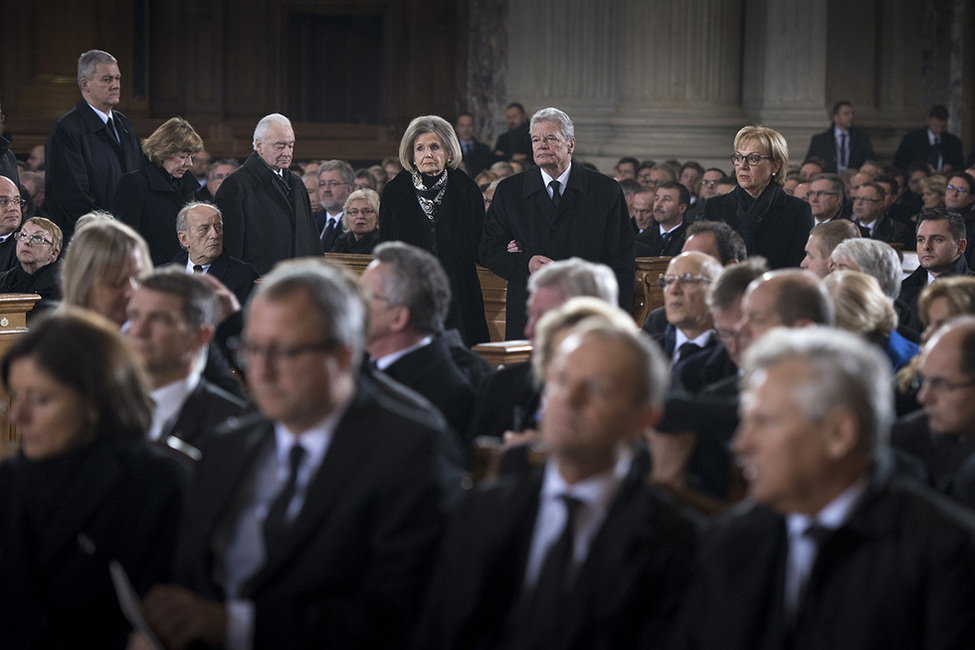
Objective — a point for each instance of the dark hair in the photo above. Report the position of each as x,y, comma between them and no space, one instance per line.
628,160
939,112
200,306
956,225
630,186
517,105
730,286
730,244
890,180
964,176
840,104
85,352
685,196
815,160
693,164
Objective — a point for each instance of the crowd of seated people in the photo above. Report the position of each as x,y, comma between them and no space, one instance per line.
278,453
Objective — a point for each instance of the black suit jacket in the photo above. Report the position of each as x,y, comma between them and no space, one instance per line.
591,222
652,238
898,574
914,284
207,407
781,237
508,401
431,372
352,572
83,164
453,237
916,147
122,502
628,590
479,158
949,460
237,276
516,141
264,223
824,145
149,201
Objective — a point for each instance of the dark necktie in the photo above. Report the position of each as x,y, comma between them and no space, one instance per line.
686,350
936,153
111,129
197,268
557,574
276,525
844,152
556,196
328,235
817,534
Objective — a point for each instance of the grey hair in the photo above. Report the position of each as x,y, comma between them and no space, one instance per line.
566,127
843,373
577,277
874,258
369,196
336,301
417,281
440,127
260,131
182,225
343,168
90,60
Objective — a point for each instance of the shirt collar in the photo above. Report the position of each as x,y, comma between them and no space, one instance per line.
104,116
314,440
596,491
563,178
384,362
833,515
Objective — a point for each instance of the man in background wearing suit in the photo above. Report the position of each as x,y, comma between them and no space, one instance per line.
477,155
336,181
940,150
842,146
171,320
834,549
90,147
266,211
311,524
580,552
665,235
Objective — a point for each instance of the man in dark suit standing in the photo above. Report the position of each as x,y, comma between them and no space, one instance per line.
580,553
266,211
834,548
515,143
313,523
171,320
409,293
842,145
199,227
477,155
555,211
90,147
942,151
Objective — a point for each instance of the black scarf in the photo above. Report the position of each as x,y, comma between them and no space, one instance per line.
752,211
430,191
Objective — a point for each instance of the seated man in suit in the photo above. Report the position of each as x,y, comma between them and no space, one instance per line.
823,238
685,287
842,145
199,228
11,216
477,155
717,239
581,552
834,549
313,523
868,212
171,320
409,294
826,199
942,434
941,245
336,181
933,145
665,234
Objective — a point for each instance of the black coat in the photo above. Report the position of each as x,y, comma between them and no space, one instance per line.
916,147
591,222
83,164
628,590
824,145
8,162
658,247
913,285
518,140
453,238
45,282
899,574
507,401
351,574
949,460
237,276
479,158
347,243
264,223
207,407
120,502
781,236
149,199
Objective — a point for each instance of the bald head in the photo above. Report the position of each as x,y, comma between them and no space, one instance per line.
686,283
11,214
948,368
783,298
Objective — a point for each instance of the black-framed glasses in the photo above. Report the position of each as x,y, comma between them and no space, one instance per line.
955,188
6,201
940,385
33,239
355,212
247,354
752,159
666,281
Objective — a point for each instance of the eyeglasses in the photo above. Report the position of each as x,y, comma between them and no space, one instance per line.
6,201
822,193
355,212
940,385
713,183
331,184
249,353
33,239
863,198
752,159
960,190
666,281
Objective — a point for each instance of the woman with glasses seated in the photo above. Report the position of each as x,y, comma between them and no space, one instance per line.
772,223
360,224
38,248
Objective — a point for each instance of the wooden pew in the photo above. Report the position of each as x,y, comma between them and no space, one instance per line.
13,323
647,294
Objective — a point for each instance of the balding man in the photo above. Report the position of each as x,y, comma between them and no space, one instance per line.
11,215
91,146
833,549
266,211
685,286
823,238
942,434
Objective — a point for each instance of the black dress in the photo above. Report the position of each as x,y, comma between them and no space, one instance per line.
453,236
44,282
347,243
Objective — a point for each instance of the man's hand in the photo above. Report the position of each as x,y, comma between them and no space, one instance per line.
229,304
179,617
514,247
538,261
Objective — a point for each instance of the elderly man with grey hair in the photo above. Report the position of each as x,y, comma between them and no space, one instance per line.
510,401
90,147
833,549
266,211
556,210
